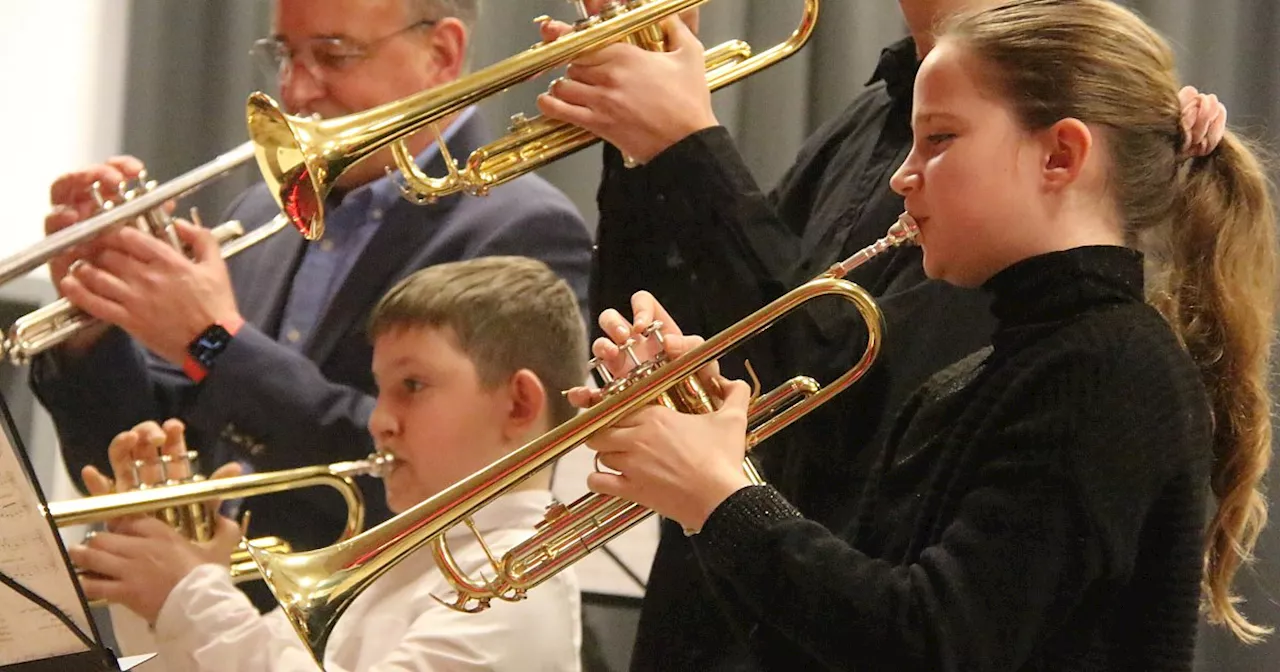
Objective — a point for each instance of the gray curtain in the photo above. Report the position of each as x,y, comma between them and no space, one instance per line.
189,73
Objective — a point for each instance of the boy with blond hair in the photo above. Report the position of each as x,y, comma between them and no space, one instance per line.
469,358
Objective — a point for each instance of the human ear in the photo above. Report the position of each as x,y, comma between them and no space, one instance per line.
1068,144
448,41
528,397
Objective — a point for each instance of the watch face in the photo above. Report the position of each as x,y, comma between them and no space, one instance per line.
209,343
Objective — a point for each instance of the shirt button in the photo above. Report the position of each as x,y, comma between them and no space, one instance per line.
375,214
294,335
326,245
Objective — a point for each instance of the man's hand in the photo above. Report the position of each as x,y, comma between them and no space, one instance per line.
72,202
152,291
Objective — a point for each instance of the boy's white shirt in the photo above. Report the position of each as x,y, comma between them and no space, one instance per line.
206,624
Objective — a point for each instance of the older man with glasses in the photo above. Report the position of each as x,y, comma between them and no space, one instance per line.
264,356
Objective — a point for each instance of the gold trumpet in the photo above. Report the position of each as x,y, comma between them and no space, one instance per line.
184,504
315,587
301,158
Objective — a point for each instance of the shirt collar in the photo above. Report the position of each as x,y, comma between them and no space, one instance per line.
897,69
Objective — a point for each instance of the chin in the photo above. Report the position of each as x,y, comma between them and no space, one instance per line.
932,270
394,504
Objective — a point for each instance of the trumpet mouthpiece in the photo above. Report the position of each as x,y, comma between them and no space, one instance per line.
904,230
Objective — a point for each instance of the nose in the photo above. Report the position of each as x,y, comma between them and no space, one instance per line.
907,177
382,422
299,87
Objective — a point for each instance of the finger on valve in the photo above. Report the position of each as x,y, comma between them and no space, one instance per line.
149,462
123,452
551,30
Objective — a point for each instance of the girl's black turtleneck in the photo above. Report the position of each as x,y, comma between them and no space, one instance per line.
1039,506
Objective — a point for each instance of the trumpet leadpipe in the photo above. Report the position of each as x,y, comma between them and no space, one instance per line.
137,502
37,255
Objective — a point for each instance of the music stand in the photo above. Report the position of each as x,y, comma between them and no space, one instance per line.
53,631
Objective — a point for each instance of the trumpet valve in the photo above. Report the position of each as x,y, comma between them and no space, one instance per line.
518,123
555,511
629,349
95,192
602,370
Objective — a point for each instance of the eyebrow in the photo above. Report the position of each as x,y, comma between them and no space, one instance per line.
411,360
325,36
935,116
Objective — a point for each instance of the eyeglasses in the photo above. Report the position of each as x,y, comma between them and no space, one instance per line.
321,56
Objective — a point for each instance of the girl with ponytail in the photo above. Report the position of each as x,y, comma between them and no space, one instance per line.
1042,503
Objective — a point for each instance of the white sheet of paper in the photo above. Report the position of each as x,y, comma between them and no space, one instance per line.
129,662
29,554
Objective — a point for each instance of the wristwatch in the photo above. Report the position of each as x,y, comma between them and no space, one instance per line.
205,348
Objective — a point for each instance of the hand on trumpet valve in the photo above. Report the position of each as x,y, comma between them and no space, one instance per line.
154,292
680,464
640,101
649,335
140,558
552,29
149,455
74,197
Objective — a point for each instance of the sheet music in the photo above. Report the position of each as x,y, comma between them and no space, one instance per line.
29,554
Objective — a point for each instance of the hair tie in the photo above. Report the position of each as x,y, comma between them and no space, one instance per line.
1204,122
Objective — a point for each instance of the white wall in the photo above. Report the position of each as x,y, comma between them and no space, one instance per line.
63,87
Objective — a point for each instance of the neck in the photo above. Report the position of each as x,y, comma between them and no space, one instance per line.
1070,228
541,479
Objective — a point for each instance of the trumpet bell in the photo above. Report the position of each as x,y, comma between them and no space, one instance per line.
302,159
284,146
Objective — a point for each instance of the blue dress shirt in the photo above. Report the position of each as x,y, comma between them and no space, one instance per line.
348,229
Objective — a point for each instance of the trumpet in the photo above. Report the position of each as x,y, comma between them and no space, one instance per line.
301,158
147,201
315,587
52,324
143,206
183,504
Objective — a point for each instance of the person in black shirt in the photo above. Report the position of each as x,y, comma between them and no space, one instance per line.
1040,503
692,226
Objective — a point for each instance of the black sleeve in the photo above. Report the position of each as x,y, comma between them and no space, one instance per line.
1046,506
693,228
110,388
